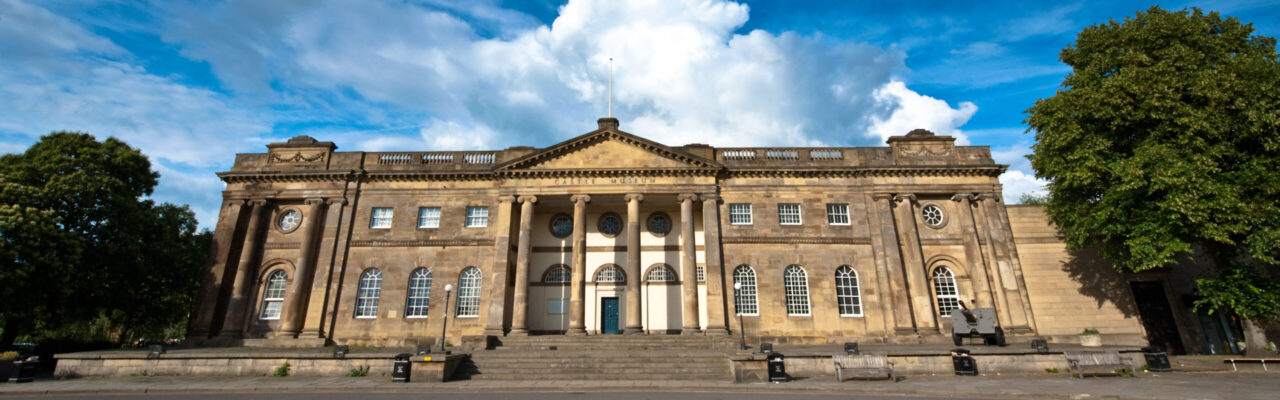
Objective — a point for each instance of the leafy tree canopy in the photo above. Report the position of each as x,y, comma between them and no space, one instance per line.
1164,143
114,254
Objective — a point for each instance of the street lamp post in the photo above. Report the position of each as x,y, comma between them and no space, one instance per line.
742,334
443,327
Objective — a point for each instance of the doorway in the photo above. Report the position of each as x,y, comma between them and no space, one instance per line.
1156,315
609,316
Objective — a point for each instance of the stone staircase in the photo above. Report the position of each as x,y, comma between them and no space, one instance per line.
602,358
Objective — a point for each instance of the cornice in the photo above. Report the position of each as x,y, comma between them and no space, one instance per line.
794,240
422,243
601,135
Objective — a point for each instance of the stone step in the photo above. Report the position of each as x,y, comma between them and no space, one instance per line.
598,377
553,357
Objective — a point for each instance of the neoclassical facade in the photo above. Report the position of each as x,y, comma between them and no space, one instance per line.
611,233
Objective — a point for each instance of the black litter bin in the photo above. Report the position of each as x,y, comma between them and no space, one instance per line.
24,371
402,368
777,370
963,362
1157,359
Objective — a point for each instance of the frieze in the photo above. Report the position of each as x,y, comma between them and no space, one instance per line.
794,240
297,158
606,249
923,150
941,241
422,243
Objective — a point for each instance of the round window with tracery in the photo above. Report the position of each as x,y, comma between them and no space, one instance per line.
610,224
659,224
561,226
932,215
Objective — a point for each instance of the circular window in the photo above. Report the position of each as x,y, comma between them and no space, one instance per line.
659,224
610,224
932,215
289,220
561,225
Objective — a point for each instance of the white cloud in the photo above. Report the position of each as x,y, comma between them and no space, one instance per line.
681,73
912,110
1020,178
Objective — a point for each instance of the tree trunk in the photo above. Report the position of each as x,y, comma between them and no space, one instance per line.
6,339
1255,340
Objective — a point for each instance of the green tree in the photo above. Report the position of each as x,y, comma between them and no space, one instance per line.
139,262
35,260
1162,145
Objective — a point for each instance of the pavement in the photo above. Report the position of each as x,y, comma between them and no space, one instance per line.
1173,385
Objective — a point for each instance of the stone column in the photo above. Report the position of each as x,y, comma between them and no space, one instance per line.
241,290
329,243
893,292
577,312
221,269
520,300
913,261
715,268
973,252
1009,288
295,302
498,273
689,270
633,264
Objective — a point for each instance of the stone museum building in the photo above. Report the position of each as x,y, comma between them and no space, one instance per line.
611,233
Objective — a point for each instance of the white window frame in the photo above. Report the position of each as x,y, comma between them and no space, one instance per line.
946,293
558,274
273,295
701,272
746,298
741,211
795,282
848,292
614,274
469,282
425,218
784,214
417,302
378,221
474,217
836,212
661,274
367,293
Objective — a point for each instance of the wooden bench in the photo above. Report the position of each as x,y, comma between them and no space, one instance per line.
1095,361
862,366
1262,361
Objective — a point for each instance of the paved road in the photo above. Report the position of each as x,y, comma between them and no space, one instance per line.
481,396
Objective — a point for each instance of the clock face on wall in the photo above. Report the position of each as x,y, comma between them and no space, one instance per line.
289,220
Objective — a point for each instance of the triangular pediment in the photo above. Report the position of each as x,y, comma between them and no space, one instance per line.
610,150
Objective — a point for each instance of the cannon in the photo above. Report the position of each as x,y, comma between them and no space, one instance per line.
976,322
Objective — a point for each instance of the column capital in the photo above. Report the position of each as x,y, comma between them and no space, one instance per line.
258,202
687,197
962,197
528,199
506,199
580,198
338,200
907,196
634,196
235,202
709,197
314,201
882,196
987,196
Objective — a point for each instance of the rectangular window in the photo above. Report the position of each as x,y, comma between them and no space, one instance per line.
740,214
555,306
477,217
789,214
702,271
381,218
429,217
838,214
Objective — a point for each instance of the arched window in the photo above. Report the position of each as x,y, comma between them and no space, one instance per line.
848,294
744,300
944,288
469,293
610,274
557,274
368,292
661,273
419,296
796,285
273,295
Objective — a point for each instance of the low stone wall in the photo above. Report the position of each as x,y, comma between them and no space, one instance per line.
431,368
753,367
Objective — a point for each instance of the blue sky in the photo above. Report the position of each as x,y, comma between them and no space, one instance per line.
193,83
